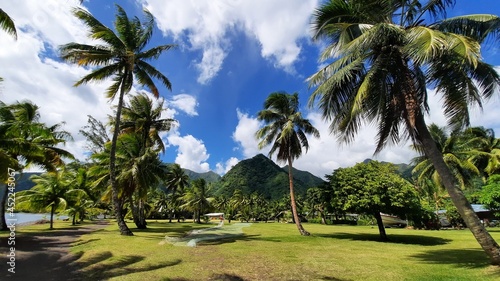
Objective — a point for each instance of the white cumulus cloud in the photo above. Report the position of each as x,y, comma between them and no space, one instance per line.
191,152
279,26
222,168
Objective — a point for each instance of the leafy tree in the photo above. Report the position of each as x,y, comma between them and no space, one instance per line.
490,194
318,200
25,141
122,57
96,134
286,131
381,57
373,188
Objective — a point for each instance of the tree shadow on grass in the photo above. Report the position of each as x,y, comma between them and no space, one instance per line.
393,238
102,266
463,258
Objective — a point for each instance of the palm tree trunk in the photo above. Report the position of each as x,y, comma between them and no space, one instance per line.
52,209
463,206
3,223
74,219
381,228
124,230
292,200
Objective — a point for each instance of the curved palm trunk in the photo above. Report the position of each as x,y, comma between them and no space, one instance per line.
292,200
381,228
124,230
463,206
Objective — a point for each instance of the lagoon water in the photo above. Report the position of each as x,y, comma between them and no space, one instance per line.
26,217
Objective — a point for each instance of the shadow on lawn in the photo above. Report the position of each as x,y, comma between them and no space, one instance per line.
463,258
393,238
103,266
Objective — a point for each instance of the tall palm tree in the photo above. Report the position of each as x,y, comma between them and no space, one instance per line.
286,131
25,141
122,57
143,118
52,191
382,55
175,181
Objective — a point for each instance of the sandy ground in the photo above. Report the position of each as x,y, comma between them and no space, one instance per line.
45,258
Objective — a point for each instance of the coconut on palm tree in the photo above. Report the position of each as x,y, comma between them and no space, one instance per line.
382,56
286,131
122,56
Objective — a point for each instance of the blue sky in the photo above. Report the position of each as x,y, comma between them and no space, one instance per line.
231,55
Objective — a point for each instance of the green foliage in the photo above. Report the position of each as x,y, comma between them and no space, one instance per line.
490,194
453,216
369,188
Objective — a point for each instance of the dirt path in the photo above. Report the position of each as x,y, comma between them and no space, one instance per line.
47,257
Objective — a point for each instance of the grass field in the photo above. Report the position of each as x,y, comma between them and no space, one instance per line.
275,251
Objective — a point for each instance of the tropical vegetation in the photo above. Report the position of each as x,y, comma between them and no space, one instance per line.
381,57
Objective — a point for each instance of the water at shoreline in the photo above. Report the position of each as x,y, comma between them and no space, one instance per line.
27,218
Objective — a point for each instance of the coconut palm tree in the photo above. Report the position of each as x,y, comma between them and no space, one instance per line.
196,199
122,57
285,131
175,181
52,191
380,58
25,141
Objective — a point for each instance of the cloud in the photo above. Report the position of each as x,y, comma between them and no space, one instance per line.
223,168
185,103
33,75
277,25
191,152
244,134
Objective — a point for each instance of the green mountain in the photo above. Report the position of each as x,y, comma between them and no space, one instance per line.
260,174
307,178
207,176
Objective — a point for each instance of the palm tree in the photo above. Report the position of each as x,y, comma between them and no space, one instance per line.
123,57
196,199
24,141
142,117
286,130
175,180
52,191
382,55
485,150
455,151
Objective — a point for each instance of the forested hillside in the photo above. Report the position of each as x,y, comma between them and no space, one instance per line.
260,174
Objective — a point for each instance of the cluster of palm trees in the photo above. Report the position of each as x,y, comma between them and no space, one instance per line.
380,59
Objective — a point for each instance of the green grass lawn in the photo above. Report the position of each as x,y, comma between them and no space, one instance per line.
275,251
